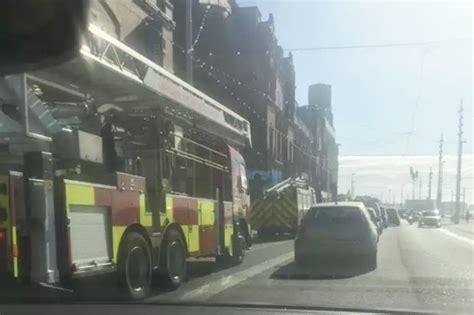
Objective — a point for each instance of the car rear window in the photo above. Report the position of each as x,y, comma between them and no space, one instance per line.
372,215
334,214
430,213
336,223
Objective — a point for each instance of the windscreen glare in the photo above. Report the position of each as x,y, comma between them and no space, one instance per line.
211,151
430,213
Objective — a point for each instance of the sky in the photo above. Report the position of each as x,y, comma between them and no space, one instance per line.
390,104
388,177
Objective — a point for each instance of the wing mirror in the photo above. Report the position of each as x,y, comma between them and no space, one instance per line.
36,34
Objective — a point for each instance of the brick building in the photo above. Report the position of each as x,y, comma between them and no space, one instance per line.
237,60
146,26
319,119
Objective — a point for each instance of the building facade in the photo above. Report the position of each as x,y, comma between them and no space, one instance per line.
146,26
236,59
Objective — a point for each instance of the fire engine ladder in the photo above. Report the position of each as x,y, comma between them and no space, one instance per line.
112,74
289,182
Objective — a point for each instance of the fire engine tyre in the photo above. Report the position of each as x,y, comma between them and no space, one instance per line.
134,266
238,249
173,260
247,235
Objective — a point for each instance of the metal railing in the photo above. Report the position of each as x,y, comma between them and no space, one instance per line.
214,158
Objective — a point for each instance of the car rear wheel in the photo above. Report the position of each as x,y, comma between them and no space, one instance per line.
371,260
298,259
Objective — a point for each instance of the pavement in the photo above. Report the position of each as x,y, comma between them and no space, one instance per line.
419,269
463,228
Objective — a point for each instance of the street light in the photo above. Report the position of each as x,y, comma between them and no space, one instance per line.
401,196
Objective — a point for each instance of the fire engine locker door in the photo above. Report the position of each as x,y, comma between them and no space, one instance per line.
90,235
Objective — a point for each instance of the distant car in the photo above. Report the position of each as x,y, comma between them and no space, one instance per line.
403,213
383,212
373,218
332,230
430,218
393,218
370,203
413,216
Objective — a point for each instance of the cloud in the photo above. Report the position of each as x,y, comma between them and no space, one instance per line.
383,175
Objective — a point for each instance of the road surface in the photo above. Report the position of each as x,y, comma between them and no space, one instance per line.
424,269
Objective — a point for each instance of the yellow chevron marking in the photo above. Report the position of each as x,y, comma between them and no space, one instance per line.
274,212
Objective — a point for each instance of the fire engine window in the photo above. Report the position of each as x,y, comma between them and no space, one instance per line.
181,180
243,176
167,165
190,177
203,181
218,178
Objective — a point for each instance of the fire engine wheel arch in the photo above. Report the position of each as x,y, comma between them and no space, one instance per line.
134,263
173,253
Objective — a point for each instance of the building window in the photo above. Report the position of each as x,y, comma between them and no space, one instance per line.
290,150
270,139
155,42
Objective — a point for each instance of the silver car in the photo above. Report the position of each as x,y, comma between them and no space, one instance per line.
430,218
337,230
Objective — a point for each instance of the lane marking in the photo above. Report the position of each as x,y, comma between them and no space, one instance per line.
458,237
215,287
54,287
259,246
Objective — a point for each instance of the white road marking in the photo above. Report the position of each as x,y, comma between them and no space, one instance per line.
260,246
208,290
50,286
458,237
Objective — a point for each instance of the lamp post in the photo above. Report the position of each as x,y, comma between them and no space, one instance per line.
352,186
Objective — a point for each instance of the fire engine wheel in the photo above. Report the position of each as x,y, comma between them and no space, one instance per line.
173,260
247,235
134,266
238,253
